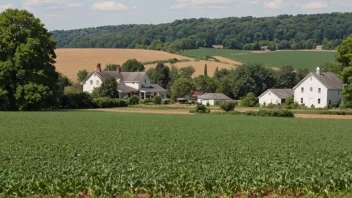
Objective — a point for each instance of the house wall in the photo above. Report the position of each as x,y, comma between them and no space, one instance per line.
311,97
88,87
134,85
335,96
144,82
269,98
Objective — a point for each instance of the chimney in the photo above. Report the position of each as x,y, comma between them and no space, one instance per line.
118,69
98,68
318,71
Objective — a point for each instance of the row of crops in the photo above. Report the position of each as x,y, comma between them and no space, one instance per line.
106,154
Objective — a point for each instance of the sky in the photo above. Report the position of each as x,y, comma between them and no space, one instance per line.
75,14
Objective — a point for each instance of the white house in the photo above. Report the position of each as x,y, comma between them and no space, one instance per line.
319,90
275,96
212,98
129,83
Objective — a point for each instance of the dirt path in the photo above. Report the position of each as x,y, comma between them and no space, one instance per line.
316,116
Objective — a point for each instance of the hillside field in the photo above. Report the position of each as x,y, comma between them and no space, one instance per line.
70,61
298,59
105,154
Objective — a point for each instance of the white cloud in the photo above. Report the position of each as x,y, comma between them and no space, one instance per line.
109,5
200,3
315,5
273,4
51,4
6,6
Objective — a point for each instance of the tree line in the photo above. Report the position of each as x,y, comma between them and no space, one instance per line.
249,33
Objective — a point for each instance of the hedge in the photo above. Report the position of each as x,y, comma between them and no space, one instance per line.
109,103
84,100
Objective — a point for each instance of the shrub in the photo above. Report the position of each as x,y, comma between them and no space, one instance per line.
202,109
290,100
271,106
133,100
191,111
146,101
166,102
76,101
109,102
275,113
249,100
227,106
157,100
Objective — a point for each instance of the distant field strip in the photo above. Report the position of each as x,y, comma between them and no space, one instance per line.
53,154
298,59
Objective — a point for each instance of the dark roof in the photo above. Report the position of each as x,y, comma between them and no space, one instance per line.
329,80
280,93
153,88
123,76
125,89
214,96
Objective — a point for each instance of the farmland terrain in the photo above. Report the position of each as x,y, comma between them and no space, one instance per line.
70,61
104,154
298,59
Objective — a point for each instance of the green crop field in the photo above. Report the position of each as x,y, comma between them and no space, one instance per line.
105,154
298,59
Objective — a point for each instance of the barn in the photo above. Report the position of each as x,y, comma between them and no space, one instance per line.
212,98
275,96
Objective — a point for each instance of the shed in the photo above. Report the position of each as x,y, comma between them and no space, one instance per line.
212,98
275,96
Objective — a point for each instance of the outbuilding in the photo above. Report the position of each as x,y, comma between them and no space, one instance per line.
275,96
212,98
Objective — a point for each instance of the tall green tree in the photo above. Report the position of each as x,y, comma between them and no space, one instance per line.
285,77
28,79
111,67
160,75
187,72
81,75
204,84
346,77
107,89
181,87
251,78
344,52
301,73
132,65
333,67
205,70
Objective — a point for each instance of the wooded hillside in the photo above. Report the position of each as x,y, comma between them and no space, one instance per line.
283,32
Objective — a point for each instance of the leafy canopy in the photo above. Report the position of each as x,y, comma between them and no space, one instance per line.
28,79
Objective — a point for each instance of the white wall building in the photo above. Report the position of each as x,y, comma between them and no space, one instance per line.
129,83
319,90
212,98
275,96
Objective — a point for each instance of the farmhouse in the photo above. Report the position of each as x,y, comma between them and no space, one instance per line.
319,90
129,83
319,47
275,96
265,48
212,98
218,46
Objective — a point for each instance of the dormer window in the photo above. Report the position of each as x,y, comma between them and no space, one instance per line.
311,89
302,89
145,80
319,90
91,82
98,82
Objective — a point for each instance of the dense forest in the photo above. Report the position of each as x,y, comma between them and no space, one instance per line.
248,33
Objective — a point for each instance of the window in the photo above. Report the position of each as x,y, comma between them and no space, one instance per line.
311,89
329,102
91,82
338,92
145,80
302,89
311,78
269,93
301,100
98,82
319,90
319,101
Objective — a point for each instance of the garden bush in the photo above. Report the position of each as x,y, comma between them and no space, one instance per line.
76,101
134,100
201,109
157,100
250,100
227,106
109,102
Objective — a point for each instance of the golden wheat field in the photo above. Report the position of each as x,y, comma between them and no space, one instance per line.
70,61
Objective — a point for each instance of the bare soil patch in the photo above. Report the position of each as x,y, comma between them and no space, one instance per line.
316,116
70,61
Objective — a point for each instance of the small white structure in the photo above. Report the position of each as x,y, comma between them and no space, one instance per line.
275,96
129,83
212,98
319,90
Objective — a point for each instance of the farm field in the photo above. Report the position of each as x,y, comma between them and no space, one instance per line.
104,154
298,59
70,61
